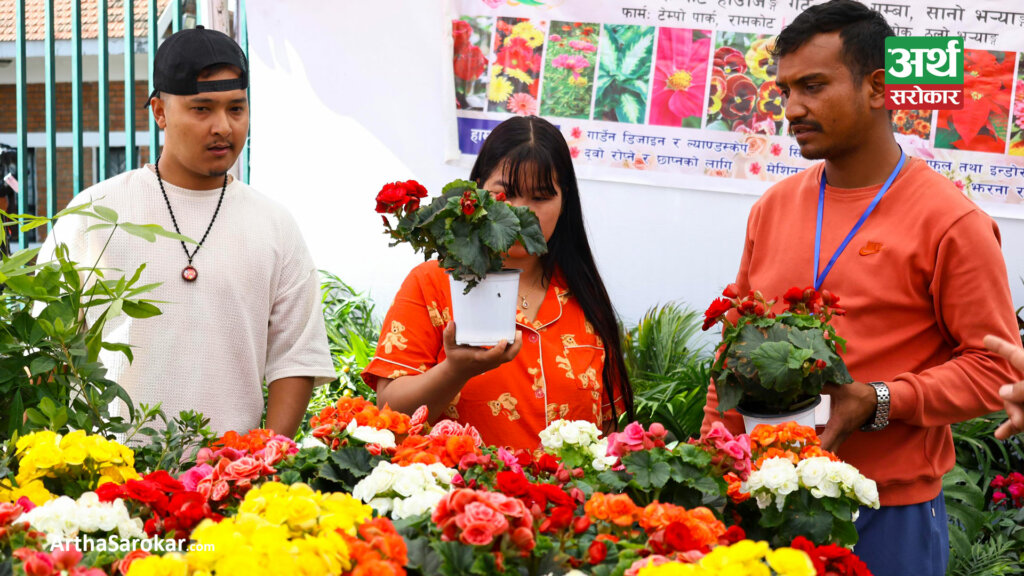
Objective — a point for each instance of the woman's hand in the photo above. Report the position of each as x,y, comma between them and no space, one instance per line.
466,362
436,387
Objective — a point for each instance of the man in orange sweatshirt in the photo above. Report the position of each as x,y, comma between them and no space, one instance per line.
922,280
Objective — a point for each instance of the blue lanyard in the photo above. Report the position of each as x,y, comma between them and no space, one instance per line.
818,280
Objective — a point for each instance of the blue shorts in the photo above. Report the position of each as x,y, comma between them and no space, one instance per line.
902,540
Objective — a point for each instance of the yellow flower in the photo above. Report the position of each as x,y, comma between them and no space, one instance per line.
739,553
34,491
168,565
759,58
43,456
29,441
520,75
578,81
499,90
527,31
101,451
791,562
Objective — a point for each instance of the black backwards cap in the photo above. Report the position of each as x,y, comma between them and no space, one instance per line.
183,56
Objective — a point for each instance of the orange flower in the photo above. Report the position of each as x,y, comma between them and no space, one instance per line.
618,509
735,491
657,515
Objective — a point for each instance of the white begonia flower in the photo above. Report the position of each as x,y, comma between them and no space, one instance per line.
382,505
866,491
602,461
370,435
764,499
417,504
64,519
779,476
379,481
812,471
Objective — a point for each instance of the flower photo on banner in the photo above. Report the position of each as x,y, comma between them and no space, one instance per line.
472,36
515,67
680,77
916,123
624,74
982,123
743,95
569,69
1017,125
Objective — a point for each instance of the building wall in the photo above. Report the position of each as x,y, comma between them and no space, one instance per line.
36,121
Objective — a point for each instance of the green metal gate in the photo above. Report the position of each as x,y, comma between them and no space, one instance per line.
131,108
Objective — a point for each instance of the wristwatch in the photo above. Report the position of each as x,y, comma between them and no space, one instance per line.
881,419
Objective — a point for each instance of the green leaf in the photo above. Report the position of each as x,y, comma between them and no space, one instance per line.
729,394
41,365
467,248
630,108
501,227
530,232
797,357
72,210
647,473
139,231
771,360
811,340
149,232
17,260
140,309
613,480
105,213
35,417
637,54
123,348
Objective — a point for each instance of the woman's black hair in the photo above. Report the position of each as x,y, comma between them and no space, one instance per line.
532,154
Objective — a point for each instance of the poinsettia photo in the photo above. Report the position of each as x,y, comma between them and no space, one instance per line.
982,123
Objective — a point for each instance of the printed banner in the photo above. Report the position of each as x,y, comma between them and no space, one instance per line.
684,94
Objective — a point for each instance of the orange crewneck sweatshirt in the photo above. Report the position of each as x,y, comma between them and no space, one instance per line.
923,282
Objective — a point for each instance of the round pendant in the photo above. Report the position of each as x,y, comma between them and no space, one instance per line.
189,274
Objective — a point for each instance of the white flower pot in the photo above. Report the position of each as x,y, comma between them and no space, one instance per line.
488,313
804,417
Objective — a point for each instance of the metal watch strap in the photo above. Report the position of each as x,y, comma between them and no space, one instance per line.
881,419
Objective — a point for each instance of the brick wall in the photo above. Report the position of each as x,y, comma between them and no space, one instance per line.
36,97
36,104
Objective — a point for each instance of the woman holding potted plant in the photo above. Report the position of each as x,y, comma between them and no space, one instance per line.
566,360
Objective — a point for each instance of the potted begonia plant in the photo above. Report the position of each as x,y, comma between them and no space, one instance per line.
470,231
772,367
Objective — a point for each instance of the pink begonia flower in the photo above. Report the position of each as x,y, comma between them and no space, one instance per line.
204,455
718,430
509,460
446,428
66,558
191,478
652,560
736,450
219,490
229,453
418,420
26,504
478,534
492,4
657,430
1015,490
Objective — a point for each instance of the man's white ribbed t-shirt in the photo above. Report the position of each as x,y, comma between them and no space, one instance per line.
254,312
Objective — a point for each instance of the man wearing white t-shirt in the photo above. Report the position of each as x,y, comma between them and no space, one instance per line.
243,306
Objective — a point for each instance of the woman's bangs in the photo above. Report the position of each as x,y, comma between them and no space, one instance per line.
526,175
